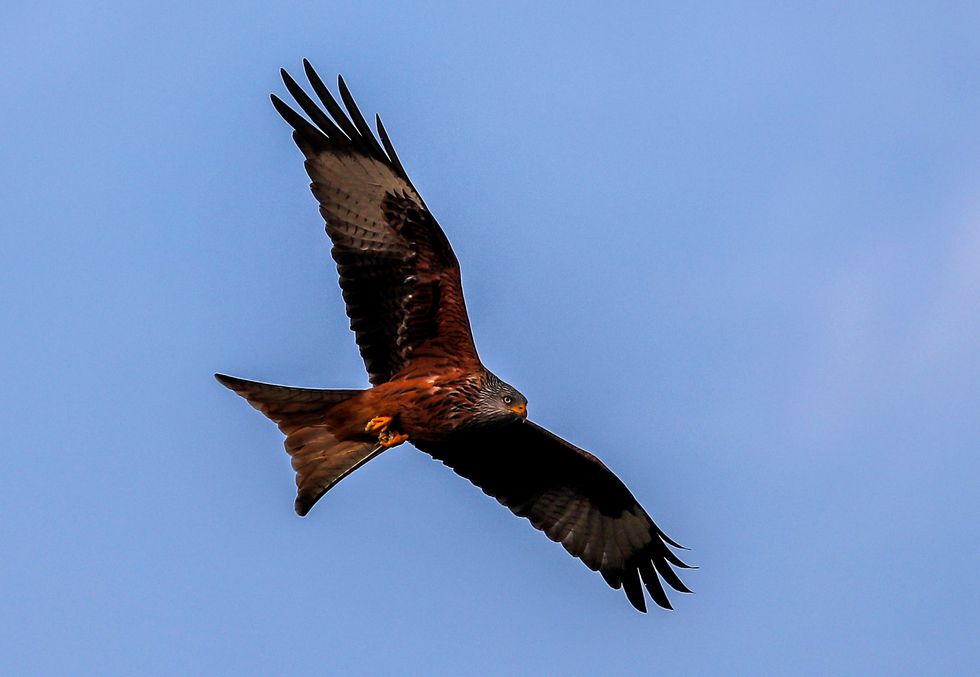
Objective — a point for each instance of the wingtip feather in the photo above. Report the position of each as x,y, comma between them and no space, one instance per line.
666,573
634,590
226,380
667,539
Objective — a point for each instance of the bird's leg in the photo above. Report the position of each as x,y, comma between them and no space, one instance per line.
378,424
387,437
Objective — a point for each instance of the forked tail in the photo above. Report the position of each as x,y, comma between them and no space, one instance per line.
320,458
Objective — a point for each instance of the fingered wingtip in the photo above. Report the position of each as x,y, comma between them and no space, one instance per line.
281,107
667,539
308,67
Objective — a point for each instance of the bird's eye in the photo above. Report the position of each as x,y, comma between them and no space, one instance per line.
508,399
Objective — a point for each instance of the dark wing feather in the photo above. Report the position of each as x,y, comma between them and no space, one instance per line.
573,498
398,273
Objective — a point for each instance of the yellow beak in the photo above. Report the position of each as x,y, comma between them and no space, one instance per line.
520,410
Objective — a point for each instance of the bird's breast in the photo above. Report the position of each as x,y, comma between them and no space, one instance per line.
429,407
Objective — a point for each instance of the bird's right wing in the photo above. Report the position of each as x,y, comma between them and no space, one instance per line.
398,273
573,498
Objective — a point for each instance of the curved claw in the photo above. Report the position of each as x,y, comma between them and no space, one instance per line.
378,424
388,439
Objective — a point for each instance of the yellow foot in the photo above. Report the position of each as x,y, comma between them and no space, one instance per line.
387,439
378,424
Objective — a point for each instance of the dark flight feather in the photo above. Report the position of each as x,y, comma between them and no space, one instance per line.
398,273
573,498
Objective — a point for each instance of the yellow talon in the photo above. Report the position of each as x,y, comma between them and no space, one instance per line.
378,424
389,440
387,437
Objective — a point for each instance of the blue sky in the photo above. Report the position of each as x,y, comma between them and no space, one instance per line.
732,250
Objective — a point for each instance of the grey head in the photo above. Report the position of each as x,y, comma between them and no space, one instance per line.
498,402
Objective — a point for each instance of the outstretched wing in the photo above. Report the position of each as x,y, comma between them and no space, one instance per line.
573,498
398,273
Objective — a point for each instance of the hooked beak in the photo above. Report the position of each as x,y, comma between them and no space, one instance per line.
519,409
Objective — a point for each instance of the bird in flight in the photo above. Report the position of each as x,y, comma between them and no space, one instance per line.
401,285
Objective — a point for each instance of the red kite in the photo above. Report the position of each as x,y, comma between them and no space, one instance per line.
401,284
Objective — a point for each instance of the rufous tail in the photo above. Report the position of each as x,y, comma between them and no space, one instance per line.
319,457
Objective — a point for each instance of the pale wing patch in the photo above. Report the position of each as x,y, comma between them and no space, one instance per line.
359,204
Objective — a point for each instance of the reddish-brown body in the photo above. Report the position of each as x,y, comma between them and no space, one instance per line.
426,408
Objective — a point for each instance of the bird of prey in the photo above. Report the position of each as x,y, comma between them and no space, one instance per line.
401,285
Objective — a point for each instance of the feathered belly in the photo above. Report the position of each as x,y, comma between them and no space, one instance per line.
425,409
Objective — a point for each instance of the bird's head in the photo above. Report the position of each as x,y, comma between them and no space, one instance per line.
499,402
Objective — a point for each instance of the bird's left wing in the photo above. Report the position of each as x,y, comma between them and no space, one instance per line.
399,275
573,498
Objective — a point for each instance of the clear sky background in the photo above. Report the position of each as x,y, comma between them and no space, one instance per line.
734,251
